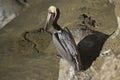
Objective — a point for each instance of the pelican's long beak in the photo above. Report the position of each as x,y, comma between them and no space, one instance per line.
47,21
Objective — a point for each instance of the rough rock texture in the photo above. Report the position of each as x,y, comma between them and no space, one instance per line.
109,69
99,61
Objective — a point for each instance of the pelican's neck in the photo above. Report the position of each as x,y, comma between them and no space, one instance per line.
56,26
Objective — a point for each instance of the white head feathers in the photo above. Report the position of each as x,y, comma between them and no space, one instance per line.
52,9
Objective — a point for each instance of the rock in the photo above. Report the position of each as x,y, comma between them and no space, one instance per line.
113,42
2,14
66,71
103,66
109,69
9,9
107,65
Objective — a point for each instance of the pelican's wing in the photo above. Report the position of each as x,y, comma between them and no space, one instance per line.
66,46
61,47
71,42
73,49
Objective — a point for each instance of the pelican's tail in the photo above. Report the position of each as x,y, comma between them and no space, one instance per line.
77,63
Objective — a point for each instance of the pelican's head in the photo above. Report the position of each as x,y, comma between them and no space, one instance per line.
52,14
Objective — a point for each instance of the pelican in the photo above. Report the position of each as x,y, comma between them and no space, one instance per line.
63,39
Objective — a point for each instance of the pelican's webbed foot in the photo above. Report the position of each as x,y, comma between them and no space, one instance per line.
59,56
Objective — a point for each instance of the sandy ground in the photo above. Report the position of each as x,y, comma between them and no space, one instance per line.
29,55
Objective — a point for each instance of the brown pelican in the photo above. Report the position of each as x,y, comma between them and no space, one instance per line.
63,39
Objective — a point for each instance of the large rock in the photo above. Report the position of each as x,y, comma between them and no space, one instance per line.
9,9
106,66
109,69
103,66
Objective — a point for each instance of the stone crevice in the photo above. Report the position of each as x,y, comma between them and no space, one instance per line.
27,39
